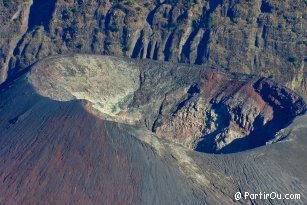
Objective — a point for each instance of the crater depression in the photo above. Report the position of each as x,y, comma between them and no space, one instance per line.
202,109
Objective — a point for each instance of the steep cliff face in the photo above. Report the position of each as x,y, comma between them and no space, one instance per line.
14,24
255,36
202,109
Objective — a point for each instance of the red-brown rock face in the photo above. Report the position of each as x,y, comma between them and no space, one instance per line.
226,112
206,110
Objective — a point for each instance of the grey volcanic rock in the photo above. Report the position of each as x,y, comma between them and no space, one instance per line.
56,152
264,37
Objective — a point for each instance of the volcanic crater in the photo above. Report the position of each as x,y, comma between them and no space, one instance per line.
202,109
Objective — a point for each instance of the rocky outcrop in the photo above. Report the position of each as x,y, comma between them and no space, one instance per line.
203,109
256,37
